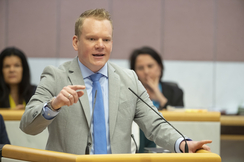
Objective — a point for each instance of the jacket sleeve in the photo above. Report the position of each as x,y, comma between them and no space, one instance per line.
32,121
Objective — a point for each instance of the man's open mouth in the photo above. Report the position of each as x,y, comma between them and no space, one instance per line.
98,54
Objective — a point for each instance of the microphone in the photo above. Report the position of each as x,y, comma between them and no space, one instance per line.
186,146
132,136
88,144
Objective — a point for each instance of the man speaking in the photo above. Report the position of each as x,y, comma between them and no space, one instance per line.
86,103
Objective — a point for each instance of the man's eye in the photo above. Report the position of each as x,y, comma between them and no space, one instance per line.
106,40
92,39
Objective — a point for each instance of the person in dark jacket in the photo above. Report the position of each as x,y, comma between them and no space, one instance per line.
148,65
3,133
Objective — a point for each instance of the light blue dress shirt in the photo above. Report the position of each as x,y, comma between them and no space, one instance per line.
86,73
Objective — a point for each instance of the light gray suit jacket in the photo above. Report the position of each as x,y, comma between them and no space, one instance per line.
68,131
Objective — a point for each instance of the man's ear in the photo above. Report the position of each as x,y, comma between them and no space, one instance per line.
112,47
75,42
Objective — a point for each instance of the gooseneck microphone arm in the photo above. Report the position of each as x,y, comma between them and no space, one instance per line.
132,136
186,146
88,144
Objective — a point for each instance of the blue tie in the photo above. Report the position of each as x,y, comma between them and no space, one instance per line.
99,128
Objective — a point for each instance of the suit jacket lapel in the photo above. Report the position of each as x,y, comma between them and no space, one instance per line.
76,78
114,91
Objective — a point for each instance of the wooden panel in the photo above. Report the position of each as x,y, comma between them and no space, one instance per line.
234,124
11,114
232,137
188,30
229,30
202,156
3,29
169,115
232,120
32,27
29,154
191,116
69,13
136,23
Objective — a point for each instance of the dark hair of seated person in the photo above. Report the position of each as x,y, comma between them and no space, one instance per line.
148,51
26,90
171,91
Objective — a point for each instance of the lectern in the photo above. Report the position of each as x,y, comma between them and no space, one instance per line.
11,153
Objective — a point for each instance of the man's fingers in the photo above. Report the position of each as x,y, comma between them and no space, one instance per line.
75,91
202,144
77,87
205,141
80,93
207,148
69,95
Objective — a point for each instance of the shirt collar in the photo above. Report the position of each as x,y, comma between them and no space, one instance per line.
87,72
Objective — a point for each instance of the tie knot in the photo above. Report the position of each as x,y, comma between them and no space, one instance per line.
96,77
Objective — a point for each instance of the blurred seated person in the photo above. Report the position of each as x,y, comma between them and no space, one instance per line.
15,87
148,65
3,133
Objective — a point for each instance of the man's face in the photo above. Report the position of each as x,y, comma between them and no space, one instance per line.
95,43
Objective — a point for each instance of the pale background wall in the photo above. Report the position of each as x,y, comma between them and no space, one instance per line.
201,41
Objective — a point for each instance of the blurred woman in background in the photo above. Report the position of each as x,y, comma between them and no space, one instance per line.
148,65
15,87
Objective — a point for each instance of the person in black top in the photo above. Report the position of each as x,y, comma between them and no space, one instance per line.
15,87
148,65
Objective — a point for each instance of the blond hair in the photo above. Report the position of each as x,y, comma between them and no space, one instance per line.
99,14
